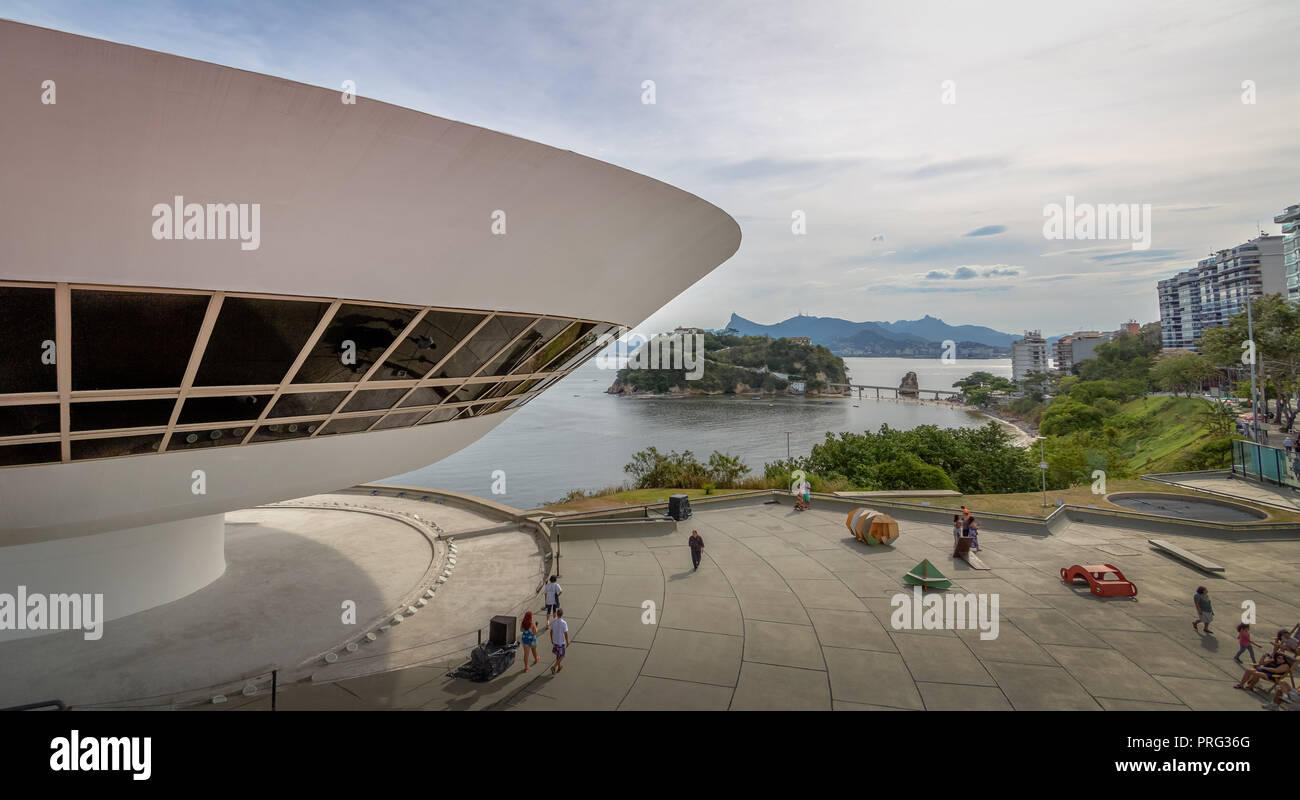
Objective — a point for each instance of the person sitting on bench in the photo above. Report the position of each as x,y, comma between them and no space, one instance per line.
1271,666
1284,640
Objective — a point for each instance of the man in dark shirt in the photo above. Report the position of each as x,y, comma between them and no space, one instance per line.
697,547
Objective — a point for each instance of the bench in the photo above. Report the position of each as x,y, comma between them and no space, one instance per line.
1200,562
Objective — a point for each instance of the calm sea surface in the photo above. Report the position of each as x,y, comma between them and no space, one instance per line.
574,436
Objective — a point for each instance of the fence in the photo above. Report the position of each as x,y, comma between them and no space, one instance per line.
1263,463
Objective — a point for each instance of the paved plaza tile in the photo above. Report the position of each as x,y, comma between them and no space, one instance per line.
695,656
783,644
788,612
766,687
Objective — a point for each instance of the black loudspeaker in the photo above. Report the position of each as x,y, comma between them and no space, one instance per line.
502,631
679,507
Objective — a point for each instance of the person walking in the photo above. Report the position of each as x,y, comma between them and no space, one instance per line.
802,491
697,548
528,638
1243,639
972,529
561,643
956,529
553,592
1288,443
1204,609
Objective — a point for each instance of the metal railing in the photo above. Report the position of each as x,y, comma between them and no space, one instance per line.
42,705
1266,464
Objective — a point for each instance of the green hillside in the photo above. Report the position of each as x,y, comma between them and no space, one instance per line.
1165,434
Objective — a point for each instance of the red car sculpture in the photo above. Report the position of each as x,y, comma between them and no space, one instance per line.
1103,579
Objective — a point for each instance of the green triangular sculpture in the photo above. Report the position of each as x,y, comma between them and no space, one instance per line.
927,576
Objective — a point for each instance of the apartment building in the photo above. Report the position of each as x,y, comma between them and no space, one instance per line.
1289,219
1210,294
1075,347
1028,355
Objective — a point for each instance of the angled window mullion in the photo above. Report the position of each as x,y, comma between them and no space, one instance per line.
495,356
557,356
453,351
289,374
566,356
379,362
192,368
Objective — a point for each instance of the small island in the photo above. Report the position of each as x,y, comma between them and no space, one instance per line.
742,365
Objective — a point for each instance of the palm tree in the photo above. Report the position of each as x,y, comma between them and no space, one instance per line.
1218,417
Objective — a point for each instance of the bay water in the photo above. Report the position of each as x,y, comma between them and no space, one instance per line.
574,436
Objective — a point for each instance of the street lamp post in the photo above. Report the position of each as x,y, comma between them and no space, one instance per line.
1042,464
1254,399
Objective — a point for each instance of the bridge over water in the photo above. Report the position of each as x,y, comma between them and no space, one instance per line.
898,391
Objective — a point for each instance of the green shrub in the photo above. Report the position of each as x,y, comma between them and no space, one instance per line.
1067,415
909,472
972,460
1211,455
651,469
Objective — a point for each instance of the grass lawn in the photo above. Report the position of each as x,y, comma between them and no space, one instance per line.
1024,504
631,497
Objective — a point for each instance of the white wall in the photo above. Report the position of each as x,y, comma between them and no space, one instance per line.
134,570
87,497
368,201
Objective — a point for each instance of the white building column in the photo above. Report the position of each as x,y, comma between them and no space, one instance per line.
134,570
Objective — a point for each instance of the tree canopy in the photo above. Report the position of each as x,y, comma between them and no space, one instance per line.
1183,373
1276,352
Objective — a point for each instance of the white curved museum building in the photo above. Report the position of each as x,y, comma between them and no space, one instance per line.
220,289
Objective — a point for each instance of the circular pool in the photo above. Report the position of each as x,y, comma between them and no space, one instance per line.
1183,506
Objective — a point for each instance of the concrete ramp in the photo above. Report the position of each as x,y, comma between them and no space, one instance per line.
963,552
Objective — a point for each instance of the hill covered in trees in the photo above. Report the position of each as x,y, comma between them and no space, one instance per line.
737,364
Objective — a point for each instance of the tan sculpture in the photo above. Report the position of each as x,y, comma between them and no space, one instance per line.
871,527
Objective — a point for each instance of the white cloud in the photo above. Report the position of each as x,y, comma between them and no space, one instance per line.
968,272
754,112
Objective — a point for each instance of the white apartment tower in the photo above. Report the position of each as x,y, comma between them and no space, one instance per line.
1028,355
1210,294
1289,219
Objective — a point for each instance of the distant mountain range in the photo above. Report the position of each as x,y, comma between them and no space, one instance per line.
922,337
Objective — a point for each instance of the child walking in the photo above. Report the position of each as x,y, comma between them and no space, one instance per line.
1243,639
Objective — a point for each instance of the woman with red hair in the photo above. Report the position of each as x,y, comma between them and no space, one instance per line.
528,638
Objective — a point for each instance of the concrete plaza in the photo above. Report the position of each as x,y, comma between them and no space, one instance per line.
788,611
291,567
1224,483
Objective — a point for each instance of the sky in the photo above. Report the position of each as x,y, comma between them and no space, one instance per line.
919,143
